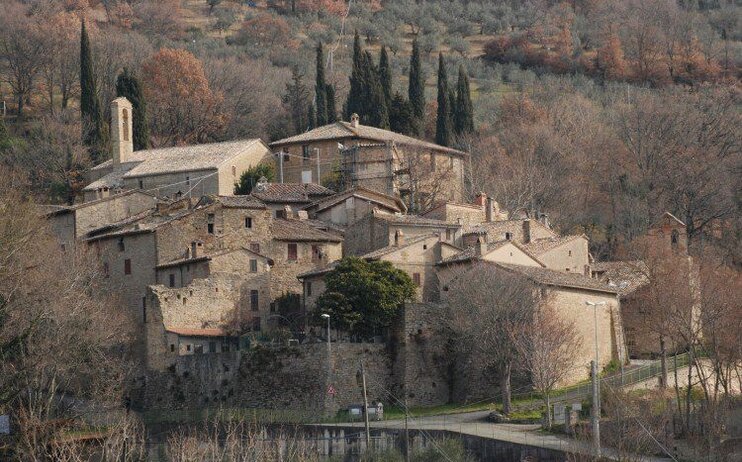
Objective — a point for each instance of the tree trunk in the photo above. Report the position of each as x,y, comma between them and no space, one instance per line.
505,389
663,363
689,392
20,106
548,411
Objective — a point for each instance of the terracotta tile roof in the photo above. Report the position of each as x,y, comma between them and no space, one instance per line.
192,332
319,271
344,130
326,227
625,276
292,192
145,222
174,159
470,252
241,202
183,261
283,229
391,202
558,278
414,220
378,253
540,246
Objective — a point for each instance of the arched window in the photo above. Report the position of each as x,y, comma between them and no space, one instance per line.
674,238
125,117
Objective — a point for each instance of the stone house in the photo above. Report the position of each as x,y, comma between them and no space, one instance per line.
509,252
70,223
378,230
345,208
563,253
483,210
373,158
209,312
277,196
522,231
569,294
183,171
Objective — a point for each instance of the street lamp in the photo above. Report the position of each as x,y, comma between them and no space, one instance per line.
329,345
596,382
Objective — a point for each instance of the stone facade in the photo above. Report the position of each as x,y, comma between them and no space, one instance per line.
349,206
570,254
520,231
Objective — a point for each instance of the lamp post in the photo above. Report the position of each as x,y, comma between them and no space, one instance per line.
329,345
596,382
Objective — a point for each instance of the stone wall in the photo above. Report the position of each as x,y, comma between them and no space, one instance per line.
293,378
187,184
97,214
285,272
466,214
572,256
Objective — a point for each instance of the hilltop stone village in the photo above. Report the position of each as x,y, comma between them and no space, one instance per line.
211,278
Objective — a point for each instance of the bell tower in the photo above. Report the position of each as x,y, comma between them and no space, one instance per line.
122,143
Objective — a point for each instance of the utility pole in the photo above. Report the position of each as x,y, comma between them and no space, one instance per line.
406,432
365,408
280,165
596,409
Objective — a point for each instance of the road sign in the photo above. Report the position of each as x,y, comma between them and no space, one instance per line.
331,391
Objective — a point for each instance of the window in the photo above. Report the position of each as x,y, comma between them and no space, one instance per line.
448,234
273,307
141,184
210,223
280,214
144,310
286,157
172,280
172,348
570,253
254,299
188,180
309,289
316,253
566,269
212,347
105,269
509,236
305,152
127,266
64,248
188,347
674,238
416,279
248,222
253,266
292,252
425,246
256,324
255,247
199,349
121,244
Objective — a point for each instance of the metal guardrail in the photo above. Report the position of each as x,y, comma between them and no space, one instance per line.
619,380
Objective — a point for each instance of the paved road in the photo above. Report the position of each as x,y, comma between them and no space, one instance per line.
474,423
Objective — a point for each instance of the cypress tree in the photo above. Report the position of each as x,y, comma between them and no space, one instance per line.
401,118
385,76
320,88
127,85
443,121
464,111
416,89
374,100
354,103
90,111
311,117
332,115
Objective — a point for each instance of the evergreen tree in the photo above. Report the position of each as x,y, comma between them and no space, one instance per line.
92,119
354,103
375,101
385,76
127,85
416,89
401,118
464,111
298,101
443,124
320,88
332,115
311,117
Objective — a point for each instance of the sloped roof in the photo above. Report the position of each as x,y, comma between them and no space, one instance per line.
392,202
378,253
557,278
291,192
414,220
241,202
191,332
343,130
540,246
440,204
470,253
290,229
503,226
174,159
55,209
625,276
319,271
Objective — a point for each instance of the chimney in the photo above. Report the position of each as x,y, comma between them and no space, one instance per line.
480,246
302,215
398,238
354,120
526,231
194,249
122,144
287,212
481,199
488,210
